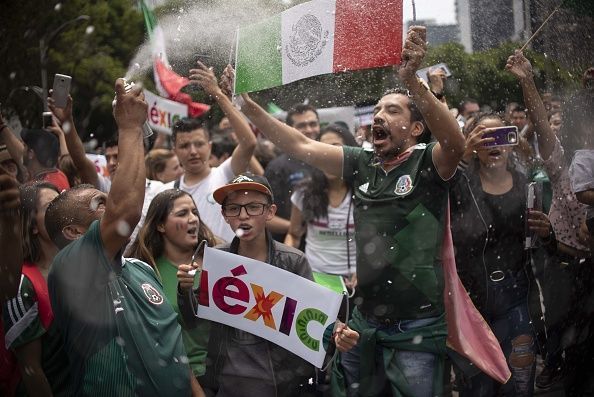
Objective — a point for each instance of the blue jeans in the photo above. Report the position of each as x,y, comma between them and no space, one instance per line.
418,367
507,315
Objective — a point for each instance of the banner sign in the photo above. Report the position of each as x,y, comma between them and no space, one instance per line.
100,163
163,113
269,302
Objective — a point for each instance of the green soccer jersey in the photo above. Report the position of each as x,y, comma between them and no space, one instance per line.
399,218
195,339
121,334
22,325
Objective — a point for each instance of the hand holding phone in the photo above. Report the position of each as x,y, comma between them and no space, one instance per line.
61,90
502,136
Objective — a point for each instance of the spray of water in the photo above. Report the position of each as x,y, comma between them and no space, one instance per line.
197,28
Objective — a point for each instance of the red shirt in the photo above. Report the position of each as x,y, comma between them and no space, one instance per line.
55,177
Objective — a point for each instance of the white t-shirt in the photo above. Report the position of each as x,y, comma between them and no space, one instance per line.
326,239
151,189
208,208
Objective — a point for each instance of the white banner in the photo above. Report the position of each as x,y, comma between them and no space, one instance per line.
163,113
269,302
100,163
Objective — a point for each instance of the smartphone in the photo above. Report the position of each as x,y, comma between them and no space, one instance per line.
61,89
424,73
534,203
504,136
47,119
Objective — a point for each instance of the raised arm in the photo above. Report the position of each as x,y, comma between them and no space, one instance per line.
10,236
85,167
124,203
520,67
246,140
441,122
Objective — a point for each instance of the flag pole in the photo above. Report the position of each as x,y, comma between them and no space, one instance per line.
540,27
414,9
234,45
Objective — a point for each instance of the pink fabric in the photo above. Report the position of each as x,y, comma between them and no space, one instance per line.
468,333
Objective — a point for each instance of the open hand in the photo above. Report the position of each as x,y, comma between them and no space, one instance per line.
204,77
519,65
227,81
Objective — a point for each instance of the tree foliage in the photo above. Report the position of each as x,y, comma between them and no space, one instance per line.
94,57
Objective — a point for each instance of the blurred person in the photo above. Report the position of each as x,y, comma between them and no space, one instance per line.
12,250
322,212
67,166
168,238
509,107
40,157
401,184
285,172
30,330
247,204
222,149
519,118
466,109
488,227
162,165
10,165
265,152
569,278
108,308
192,145
555,122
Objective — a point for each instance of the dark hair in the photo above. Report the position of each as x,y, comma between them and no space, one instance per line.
29,203
111,142
347,138
67,210
222,145
519,108
315,188
465,102
415,113
300,109
480,116
67,166
188,124
149,244
44,144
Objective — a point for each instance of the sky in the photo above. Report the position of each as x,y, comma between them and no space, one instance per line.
442,11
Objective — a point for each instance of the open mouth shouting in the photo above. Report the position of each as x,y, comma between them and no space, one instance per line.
380,134
193,231
243,229
495,154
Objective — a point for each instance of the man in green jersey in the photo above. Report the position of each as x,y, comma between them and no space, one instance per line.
401,194
121,336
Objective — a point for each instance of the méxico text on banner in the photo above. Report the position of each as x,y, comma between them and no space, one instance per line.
269,302
163,113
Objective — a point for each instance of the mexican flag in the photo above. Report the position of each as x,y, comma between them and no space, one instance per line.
318,37
168,83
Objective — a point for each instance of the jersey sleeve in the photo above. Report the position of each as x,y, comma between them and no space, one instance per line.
350,162
20,316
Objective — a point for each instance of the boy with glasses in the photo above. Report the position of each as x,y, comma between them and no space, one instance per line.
238,360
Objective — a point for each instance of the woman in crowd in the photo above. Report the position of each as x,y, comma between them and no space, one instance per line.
488,227
168,238
162,165
30,332
323,212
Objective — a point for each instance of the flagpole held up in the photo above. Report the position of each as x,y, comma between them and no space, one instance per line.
539,28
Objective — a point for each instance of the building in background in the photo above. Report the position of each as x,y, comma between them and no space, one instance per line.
437,34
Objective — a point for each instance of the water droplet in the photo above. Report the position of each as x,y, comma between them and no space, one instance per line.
58,7
239,233
90,29
123,228
12,75
66,127
417,339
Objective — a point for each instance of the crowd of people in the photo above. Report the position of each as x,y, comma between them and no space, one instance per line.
100,273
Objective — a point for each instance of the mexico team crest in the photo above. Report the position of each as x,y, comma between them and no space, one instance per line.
152,294
404,185
307,41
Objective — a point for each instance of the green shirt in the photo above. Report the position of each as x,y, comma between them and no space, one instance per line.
120,333
195,339
22,325
399,220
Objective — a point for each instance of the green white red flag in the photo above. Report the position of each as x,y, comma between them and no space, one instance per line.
168,83
318,37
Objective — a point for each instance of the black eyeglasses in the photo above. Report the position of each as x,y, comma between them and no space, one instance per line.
252,209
